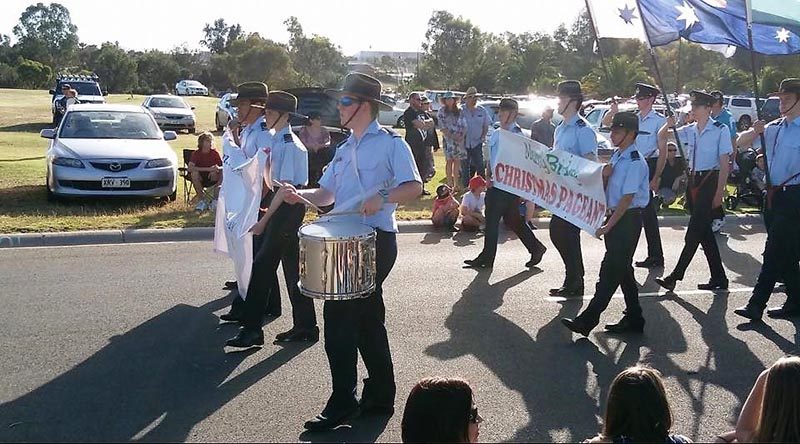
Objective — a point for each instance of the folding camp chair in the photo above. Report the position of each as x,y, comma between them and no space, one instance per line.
183,172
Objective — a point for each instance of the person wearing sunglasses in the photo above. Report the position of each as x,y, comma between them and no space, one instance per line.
372,171
441,410
655,154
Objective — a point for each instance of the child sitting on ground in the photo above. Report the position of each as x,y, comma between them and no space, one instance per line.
445,209
473,204
757,175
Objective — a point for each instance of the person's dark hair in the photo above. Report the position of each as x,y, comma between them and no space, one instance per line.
781,405
438,410
637,407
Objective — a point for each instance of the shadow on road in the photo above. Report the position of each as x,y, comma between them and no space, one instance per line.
153,383
361,429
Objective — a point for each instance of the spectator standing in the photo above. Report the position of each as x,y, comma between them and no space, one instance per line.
205,168
543,130
441,410
473,204
638,410
61,103
317,141
445,209
418,123
453,125
432,140
478,122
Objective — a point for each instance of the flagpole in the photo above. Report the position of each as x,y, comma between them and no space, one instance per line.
678,68
661,82
755,84
597,40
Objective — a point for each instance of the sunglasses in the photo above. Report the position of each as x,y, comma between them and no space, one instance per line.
474,417
348,101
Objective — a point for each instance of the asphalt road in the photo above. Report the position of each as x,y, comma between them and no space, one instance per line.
122,342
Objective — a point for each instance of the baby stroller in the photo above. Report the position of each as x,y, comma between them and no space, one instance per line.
746,190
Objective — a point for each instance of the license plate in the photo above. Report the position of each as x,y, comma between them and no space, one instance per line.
116,182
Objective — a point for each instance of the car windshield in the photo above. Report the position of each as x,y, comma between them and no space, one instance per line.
108,125
167,102
193,83
84,89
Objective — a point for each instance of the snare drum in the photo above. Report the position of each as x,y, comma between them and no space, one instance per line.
337,260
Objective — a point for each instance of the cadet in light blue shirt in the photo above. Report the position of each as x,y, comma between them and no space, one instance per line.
782,250
289,158
248,129
627,192
704,148
575,136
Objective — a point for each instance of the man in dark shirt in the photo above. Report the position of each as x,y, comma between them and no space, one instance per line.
543,130
418,124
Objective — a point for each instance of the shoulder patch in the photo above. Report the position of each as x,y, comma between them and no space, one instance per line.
718,124
635,155
288,138
264,126
580,123
390,132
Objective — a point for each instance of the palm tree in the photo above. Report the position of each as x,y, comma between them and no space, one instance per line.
623,72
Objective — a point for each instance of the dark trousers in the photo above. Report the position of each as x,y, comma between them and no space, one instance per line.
699,230
474,164
650,220
616,270
567,239
504,205
420,153
278,244
357,326
782,250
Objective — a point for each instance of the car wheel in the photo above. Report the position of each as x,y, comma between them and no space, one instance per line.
172,197
400,123
731,202
192,130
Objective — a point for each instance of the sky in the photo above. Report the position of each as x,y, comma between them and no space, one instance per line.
387,25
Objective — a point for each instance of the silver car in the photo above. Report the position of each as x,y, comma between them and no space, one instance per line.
171,112
110,150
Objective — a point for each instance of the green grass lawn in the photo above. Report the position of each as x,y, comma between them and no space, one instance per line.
23,203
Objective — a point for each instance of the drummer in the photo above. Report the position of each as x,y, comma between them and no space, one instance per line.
375,170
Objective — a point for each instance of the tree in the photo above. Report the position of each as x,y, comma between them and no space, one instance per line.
623,71
453,47
46,34
115,67
33,74
219,36
534,60
253,59
315,59
154,70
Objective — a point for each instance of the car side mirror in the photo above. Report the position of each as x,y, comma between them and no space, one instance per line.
105,93
48,133
170,135
52,91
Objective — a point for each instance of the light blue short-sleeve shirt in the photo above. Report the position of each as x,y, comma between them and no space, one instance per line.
647,144
478,120
703,149
380,160
629,176
575,136
289,158
255,137
783,153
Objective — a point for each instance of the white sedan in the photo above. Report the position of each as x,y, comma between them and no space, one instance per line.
171,112
190,88
393,117
110,150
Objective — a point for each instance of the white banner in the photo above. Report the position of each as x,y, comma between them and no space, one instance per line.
617,19
571,187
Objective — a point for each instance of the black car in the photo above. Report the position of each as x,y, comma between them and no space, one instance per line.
771,109
87,86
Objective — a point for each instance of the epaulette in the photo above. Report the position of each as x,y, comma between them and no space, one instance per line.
580,123
718,124
635,155
778,121
263,126
288,138
391,132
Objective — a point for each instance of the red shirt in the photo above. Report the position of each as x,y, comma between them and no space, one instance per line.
205,160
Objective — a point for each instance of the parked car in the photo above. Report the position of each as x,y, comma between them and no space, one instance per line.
743,109
87,86
394,116
110,150
224,111
171,112
190,88
771,109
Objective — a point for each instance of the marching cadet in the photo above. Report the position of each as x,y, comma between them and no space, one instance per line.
502,204
627,194
782,213
372,158
655,154
707,145
574,136
279,241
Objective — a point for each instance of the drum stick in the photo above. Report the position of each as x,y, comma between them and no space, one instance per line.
302,199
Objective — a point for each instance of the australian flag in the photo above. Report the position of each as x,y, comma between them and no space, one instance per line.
713,22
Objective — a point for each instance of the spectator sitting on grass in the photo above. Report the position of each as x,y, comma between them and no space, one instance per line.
205,167
441,410
637,410
772,410
445,209
473,204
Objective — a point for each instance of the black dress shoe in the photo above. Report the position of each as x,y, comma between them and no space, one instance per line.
749,312
577,326
718,284
667,282
330,421
299,335
568,291
626,325
477,263
247,338
784,312
651,262
230,285
536,258
232,316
